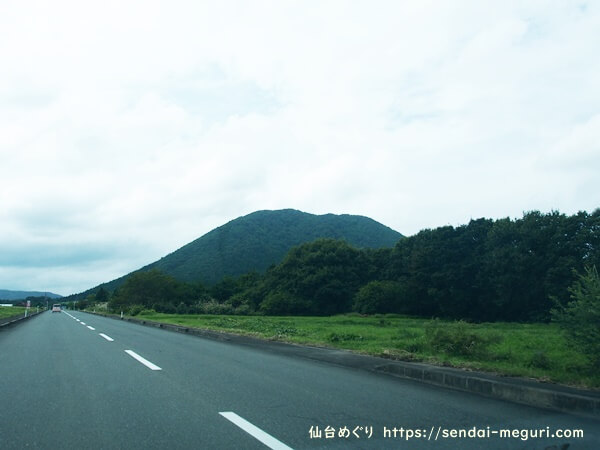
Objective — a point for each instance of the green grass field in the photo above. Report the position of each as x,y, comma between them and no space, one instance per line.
537,351
9,311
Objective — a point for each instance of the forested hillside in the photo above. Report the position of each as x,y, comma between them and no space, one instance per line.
487,270
258,240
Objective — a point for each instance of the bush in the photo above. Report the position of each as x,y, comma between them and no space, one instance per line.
455,338
580,318
540,360
414,347
213,307
135,310
243,310
379,297
340,337
279,303
167,308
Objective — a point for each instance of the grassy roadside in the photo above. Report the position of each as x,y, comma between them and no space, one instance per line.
10,311
536,351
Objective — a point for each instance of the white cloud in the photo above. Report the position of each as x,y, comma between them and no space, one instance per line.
138,126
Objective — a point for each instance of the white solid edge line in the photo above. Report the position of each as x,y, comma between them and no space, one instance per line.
255,432
108,338
144,361
91,328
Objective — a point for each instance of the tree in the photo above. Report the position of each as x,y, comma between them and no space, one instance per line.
101,295
318,278
147,288
580,318
224,289
380,297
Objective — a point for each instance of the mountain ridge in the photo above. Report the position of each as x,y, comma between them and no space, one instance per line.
258,240
276,232
7,294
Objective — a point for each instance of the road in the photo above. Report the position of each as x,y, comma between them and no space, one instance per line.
75,380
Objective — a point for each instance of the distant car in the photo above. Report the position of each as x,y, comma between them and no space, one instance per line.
55,308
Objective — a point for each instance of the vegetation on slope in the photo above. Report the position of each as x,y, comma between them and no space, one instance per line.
258,240
255,242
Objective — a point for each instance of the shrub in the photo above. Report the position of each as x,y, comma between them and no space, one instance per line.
580,318
379,297
414,347
243,310
167,308
540,360
455,338
213,307
135,310
339,337
280,303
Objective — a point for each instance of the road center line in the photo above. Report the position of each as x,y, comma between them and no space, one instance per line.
144,361
82,323
91,328
108,338
255,432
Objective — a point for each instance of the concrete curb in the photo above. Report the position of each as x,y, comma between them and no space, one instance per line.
517,390
8,321
586,403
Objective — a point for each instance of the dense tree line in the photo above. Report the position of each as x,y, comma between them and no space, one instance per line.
495,270
487,270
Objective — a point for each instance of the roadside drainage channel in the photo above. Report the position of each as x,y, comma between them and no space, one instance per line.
516,390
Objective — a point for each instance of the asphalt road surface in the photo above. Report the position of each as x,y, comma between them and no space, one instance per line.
71,380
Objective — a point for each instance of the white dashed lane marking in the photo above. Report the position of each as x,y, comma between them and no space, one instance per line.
144,361
131,353
108,338
255,432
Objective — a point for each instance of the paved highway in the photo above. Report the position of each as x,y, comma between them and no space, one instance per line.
74,380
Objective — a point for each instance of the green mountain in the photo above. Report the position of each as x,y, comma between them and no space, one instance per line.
258,240
6,294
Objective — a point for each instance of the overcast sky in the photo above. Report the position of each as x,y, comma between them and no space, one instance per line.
130,128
